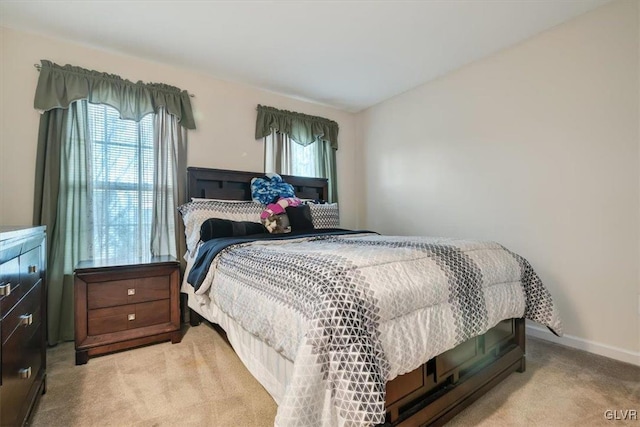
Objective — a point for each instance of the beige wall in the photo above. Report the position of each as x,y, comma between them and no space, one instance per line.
225,117
535,147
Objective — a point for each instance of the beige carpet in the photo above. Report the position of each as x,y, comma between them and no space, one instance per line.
201,382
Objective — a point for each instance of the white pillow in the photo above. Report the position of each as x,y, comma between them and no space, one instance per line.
198,211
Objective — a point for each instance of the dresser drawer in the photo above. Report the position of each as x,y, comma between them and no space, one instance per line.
130,291
21,363
26,315
17,277
131,316
10,289
30,269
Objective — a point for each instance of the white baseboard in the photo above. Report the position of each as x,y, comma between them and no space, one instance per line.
586,345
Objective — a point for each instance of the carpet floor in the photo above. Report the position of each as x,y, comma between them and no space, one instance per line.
201,382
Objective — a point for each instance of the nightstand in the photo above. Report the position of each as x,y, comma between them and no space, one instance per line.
120,304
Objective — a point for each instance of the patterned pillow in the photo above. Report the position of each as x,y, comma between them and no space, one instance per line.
196,212
325,215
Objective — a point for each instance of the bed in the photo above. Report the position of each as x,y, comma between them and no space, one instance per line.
430,394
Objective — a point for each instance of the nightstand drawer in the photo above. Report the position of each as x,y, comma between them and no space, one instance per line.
130,291
122,318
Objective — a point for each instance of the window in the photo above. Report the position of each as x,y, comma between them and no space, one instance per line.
285,156
304,160
120,183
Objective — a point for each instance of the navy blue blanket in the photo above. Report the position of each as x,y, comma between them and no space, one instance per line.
213,247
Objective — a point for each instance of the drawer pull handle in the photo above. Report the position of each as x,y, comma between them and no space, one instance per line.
25,373
131,291
26,319
32,269
5,290
131,317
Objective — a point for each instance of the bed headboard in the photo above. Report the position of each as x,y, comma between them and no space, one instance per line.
236,185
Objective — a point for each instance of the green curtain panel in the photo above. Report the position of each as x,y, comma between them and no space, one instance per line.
302,128
62,204
169,185
58,86
326,164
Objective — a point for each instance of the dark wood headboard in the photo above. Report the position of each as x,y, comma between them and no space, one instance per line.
236,185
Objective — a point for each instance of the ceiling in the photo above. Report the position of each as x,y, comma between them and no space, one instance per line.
346,54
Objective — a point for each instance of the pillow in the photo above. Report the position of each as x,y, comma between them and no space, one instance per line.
216,227
324,215
196,212
269,189
299,218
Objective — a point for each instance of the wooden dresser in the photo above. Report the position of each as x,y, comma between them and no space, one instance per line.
23,316
120,304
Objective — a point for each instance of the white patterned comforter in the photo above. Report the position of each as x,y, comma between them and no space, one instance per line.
354,311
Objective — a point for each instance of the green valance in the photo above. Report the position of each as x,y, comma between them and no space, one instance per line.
59,86
302,128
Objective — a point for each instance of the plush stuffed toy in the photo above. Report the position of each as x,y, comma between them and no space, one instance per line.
274,217
270,188
277,224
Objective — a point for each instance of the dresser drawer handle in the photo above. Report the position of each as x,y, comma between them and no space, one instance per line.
32,269
5,290
131,317
25,373
26,319
131,291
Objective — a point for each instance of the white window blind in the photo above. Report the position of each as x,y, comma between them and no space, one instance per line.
122,169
